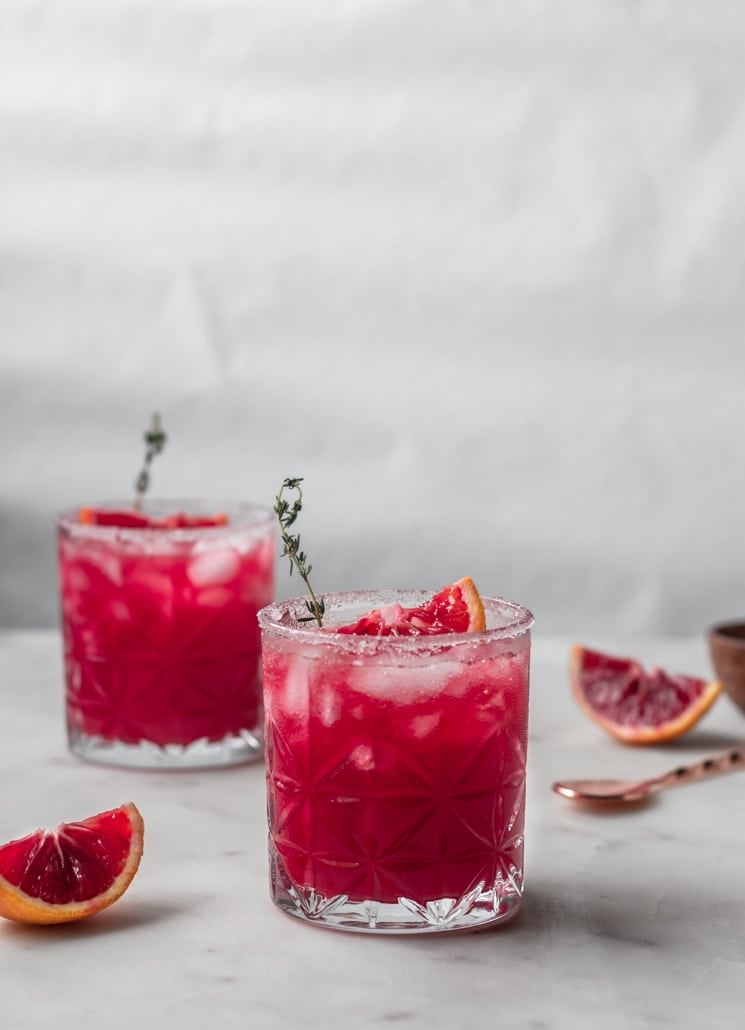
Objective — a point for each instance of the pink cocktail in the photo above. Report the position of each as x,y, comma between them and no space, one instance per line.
161,642
395,767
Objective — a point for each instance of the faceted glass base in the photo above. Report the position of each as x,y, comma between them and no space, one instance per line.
480,907
234,749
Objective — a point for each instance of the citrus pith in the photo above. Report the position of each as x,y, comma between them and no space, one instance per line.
635,705
75,871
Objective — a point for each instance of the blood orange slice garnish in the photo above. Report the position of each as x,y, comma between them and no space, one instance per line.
636,705
62,875
183,521
121,519
456,608
133,519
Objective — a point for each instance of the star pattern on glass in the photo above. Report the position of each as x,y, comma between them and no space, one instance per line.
437,816
197,678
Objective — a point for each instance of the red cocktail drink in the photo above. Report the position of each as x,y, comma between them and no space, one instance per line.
395,768
162,647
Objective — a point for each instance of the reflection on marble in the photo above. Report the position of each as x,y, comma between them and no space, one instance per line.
635,919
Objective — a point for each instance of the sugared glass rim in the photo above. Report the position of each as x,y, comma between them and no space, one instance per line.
310,634
243,515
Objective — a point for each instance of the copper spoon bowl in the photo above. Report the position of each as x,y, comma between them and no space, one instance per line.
621,791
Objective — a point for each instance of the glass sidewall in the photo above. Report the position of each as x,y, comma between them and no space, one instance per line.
381,751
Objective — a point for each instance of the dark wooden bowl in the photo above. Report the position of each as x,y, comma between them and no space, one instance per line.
727,650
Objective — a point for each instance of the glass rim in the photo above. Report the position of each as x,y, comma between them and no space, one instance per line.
242,515
270,621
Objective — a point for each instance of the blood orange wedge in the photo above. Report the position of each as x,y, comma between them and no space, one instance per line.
133,519
62,875
454,609
635,705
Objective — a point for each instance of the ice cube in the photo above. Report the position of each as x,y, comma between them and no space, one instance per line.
296,692
422,725
213,567
108,563
215,597
406,681
363,757
120,610
146,580
329,705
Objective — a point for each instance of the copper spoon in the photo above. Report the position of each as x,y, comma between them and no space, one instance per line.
615,791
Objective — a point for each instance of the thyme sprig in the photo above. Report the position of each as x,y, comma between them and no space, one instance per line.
155,441
287,514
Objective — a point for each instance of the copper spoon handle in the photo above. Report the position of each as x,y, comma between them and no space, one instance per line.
728,762
620,791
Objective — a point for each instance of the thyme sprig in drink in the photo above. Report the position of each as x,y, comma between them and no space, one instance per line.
287,515
155,441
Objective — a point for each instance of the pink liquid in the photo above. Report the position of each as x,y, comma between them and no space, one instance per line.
397,781
161,639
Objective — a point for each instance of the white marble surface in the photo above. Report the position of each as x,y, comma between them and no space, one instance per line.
634,920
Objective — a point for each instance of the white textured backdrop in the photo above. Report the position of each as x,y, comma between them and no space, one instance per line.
473,269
